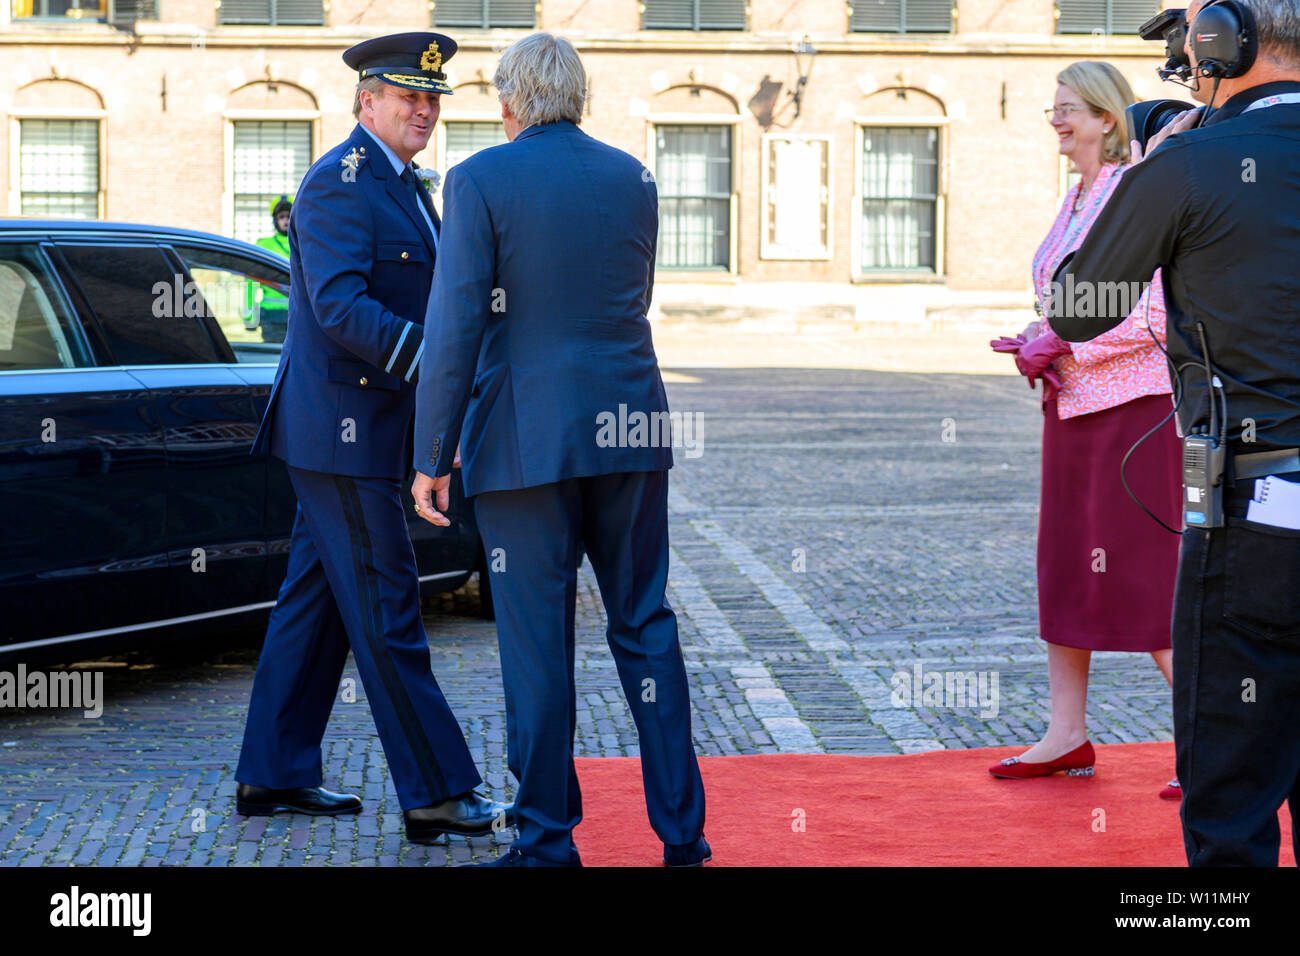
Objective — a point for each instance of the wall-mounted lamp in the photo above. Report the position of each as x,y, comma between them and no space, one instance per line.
804,52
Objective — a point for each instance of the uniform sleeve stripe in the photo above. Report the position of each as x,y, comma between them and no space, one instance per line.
415,363
409,348
397,349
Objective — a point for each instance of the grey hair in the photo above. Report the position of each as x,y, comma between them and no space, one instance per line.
1278,24
372,83
542,80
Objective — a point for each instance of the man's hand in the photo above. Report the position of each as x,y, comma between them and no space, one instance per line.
423,491
1184,122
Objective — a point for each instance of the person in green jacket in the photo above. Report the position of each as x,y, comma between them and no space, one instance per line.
270,306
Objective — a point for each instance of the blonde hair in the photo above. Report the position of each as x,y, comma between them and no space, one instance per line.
542,80
372,83
1105,90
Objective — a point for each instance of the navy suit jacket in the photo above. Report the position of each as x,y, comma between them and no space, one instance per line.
361,262
536,332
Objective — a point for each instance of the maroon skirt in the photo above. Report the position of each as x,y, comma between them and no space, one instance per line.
1106,571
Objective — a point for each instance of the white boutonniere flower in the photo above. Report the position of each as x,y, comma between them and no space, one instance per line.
431,178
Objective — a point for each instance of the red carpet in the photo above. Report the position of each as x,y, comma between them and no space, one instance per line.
932,809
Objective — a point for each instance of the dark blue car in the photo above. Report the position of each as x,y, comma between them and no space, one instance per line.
133,373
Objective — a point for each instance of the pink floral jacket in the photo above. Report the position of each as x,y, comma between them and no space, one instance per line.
1123,364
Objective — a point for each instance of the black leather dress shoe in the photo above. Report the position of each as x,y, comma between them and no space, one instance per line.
317,801
688,854
514,858
470,814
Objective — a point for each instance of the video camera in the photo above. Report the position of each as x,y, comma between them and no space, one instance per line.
1170,26
1224,41
1149,117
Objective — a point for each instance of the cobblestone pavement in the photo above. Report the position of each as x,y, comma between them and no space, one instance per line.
839,528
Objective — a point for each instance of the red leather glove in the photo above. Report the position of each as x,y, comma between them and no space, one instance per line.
1035,358
1051,384
1008,343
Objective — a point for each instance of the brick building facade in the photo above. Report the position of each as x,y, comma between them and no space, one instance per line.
911,179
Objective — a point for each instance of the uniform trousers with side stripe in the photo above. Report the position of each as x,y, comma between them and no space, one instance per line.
351,584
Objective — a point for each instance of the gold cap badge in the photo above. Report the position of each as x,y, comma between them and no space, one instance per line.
431,59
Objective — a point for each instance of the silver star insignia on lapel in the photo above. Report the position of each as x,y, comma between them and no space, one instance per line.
353,159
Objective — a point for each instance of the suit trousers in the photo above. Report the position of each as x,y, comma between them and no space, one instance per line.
532,539
352,584
1236,640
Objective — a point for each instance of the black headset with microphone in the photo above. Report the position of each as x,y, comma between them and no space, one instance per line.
1223,39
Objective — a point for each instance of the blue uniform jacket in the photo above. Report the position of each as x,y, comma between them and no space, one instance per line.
361,262
537,350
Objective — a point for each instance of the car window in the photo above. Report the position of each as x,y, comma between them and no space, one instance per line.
150,314
248,298
36,330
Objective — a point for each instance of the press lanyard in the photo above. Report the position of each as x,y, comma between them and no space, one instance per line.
1275,100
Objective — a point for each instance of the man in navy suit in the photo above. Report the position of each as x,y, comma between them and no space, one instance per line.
363,238
536,336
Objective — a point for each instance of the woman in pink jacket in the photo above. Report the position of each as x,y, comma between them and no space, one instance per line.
1106,570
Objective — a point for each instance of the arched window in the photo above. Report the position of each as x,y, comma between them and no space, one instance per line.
692,152
271,143
900,193
59,126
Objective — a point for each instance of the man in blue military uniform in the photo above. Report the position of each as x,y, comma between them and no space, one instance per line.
363,239
536,334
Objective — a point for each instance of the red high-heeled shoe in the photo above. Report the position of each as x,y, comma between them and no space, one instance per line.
1077,763
1173,790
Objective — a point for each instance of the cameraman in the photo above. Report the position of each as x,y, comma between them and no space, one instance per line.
1218,209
